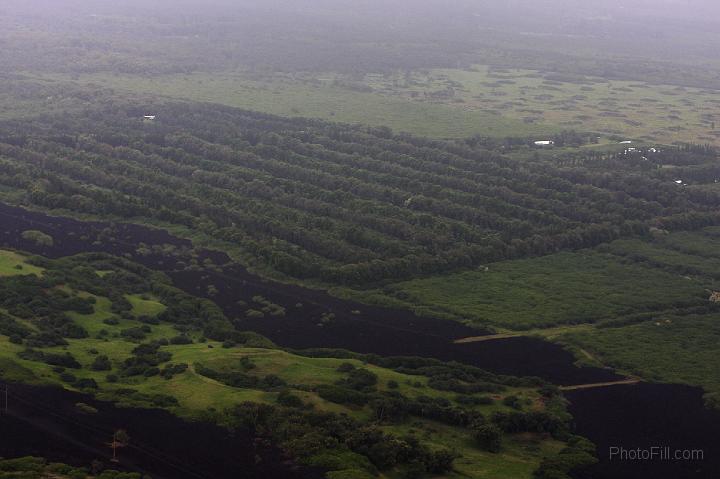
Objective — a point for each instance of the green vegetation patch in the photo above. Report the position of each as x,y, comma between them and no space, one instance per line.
665,256
520,456
128,337
658,113
145,305
12,264
286,95
452,103
10,370
564,288
39,468
669,348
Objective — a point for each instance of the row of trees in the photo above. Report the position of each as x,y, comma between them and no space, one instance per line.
337,203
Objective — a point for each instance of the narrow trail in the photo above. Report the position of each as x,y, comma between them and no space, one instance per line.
550,332
600,385
489,337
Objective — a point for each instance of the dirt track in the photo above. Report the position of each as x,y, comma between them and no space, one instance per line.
599,385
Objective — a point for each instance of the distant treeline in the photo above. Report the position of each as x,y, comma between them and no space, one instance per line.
148,39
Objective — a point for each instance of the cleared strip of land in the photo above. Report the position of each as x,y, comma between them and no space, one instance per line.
599,385
545,332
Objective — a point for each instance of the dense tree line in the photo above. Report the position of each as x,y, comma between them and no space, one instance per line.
338,203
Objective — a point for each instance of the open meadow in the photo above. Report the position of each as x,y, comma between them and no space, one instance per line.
559,289
296,95
454,103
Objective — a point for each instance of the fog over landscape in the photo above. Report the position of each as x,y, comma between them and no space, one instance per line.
359,239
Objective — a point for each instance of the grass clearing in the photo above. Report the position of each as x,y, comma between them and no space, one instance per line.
13,264
559,289
145,305
295,95
455,103
658,113
682,349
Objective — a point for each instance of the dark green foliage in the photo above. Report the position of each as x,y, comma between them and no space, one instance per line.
443,383
359,380
390,408
431,368
172,369
119,303
474,400
145,360
163,400
181,339
101,363
10,327
68,378
46,339
23,464
345,367
341,204
341,395
135,334
246,363
488,437
534,421
145,400
288,399
36,299
86,383
513,402
66,360
241,380
36,468
439,409
318,437
578,453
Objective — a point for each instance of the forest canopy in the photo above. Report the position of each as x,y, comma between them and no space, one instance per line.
339,203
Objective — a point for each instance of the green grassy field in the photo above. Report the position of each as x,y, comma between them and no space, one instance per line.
294,96
145,305
666,346
564,288
682,349
12,264
455,103
663,114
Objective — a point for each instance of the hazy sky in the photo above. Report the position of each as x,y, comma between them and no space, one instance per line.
642,28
